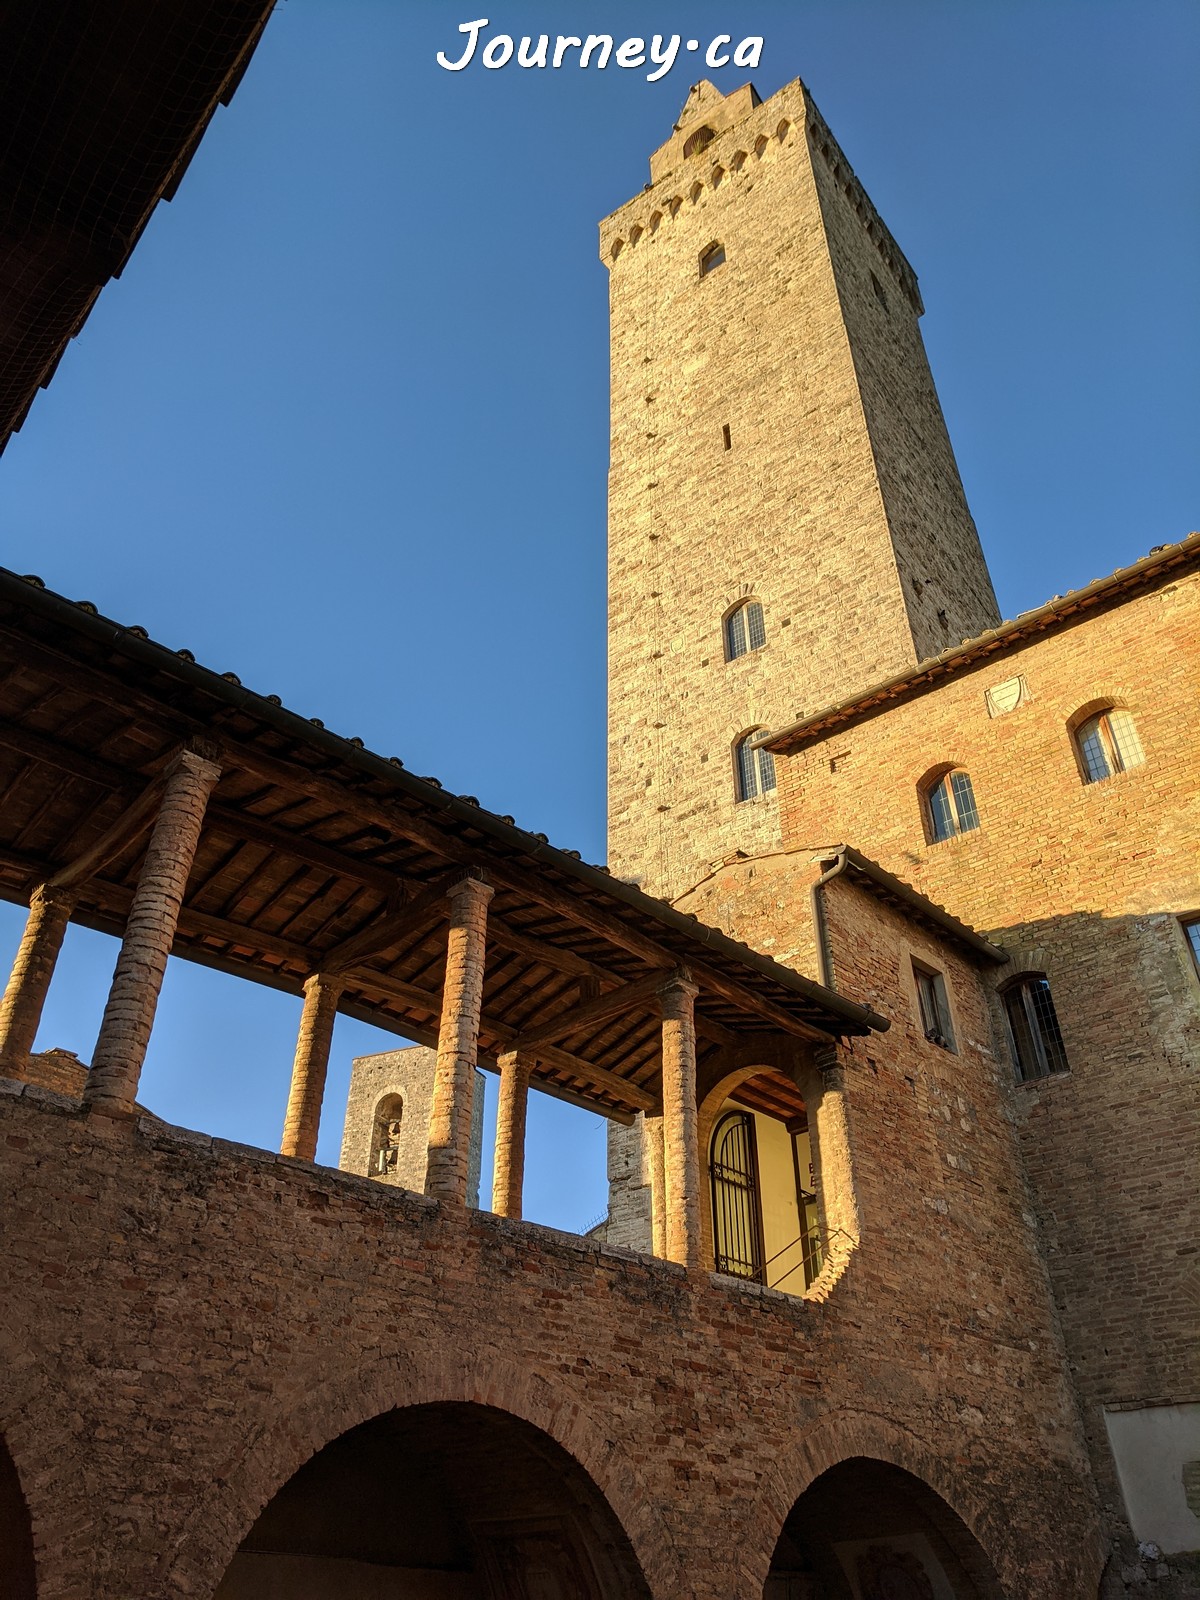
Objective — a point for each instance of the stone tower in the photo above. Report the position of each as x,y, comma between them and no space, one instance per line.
776,438
386,1132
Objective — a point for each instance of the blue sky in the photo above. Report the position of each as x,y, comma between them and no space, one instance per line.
342,428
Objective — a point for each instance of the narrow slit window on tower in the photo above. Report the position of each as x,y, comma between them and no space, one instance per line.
726,436
745,630
754,769
711,259
880,291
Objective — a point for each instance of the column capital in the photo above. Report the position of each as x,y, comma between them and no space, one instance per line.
331,983
678,984
54,896
197,763
472,886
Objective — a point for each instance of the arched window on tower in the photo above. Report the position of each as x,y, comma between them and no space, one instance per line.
745,630
700,140
1107,742
711,259
754,770
949,804
1033,1031
385,1136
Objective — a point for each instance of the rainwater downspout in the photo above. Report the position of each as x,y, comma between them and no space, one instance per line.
824,954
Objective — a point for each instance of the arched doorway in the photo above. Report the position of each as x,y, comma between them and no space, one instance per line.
17,1577
764,1213
866,1530
437,1502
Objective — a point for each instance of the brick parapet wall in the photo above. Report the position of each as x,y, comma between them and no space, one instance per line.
187,1320
1086,882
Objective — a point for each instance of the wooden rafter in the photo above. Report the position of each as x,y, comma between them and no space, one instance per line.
600,1009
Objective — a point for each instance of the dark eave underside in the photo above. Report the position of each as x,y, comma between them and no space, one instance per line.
101,109
311,842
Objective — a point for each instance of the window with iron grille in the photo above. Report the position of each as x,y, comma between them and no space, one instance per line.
934,1006
950,806
737,1215
754,770
1107,743
745,630
1034,1034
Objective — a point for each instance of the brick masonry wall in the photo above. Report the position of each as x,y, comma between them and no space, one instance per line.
832,418
1086,882
184,1322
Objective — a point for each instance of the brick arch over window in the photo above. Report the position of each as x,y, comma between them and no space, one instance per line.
274,1452
1104,738
845,1435
947,800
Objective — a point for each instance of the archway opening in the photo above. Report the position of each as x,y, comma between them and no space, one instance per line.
866,1530
18,1579
437,1502
762,1189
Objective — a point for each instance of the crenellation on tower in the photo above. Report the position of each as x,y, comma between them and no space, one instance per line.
775,431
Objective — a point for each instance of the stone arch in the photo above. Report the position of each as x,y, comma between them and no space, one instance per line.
273,1454
843,1436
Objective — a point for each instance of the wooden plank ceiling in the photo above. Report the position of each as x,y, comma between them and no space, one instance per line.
318,855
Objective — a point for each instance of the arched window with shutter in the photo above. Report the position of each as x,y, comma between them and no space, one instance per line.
754,770
1106,742
948,801
745,630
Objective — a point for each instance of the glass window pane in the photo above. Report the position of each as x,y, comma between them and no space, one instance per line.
940,814
766,771
755,625
1126,745
747,784
1046,1020
1091,748
964,802
1024,1048
735,632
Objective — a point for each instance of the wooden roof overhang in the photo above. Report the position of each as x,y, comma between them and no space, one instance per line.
317,855
101,109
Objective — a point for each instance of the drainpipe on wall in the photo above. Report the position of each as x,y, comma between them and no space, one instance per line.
824,954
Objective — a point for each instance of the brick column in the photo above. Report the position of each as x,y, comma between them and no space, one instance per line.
509,1172
681,1150
652,1149
833,1166
21,1008
149,934
446,1173
302,1120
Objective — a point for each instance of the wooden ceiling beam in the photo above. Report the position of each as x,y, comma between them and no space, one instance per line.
135,820
505,1038
604,1006
425,907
